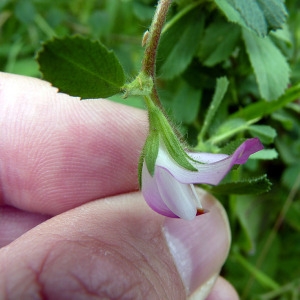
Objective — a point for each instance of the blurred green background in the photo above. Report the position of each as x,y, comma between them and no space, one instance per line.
264,262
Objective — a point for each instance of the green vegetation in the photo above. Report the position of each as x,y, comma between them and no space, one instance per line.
237,46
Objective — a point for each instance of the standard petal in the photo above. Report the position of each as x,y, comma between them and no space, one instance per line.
179,198
211,173
152,196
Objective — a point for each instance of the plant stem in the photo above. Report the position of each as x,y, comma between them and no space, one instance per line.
154,36
149,61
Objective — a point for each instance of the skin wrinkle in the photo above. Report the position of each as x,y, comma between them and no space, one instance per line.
106,287
154,238
135,263
75,120
140,260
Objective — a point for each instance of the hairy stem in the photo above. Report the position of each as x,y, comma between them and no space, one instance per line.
149,60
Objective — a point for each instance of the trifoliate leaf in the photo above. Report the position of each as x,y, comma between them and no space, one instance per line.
269,65
80,67
251,186
217,44
260,16
264,132
179,43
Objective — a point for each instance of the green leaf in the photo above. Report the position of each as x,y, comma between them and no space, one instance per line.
81,68
186,104
221,88
228,129
251,186
258,274
262,108
265,133
286,119
293,215
25,11
181,101
250,214
264,154
291,175
179,43
217,44
269,65
260,16
275,13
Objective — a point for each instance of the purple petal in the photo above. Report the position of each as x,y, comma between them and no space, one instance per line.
246,149
180,198
211,173
152,196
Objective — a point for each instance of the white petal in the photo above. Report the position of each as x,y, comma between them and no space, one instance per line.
178,197
152,196
207,158
210,173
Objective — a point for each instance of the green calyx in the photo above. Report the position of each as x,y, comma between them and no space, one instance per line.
142,85
159,122
160,131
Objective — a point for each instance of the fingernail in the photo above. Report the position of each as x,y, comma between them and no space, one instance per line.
204,290
199,247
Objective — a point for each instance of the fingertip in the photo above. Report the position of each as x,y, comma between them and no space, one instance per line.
199,247
223,290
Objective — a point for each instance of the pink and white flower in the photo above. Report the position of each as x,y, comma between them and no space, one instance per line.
170,191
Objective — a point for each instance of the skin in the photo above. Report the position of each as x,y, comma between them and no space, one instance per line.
72,222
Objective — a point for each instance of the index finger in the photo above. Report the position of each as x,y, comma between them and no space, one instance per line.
58,152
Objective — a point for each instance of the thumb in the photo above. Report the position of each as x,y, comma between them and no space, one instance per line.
115,248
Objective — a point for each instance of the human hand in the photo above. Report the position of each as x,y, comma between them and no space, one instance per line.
69,166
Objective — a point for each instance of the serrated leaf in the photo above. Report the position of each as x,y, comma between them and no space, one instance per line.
265,133
252,186
217,44
179,43
274,12
260,16
80,67
269,65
